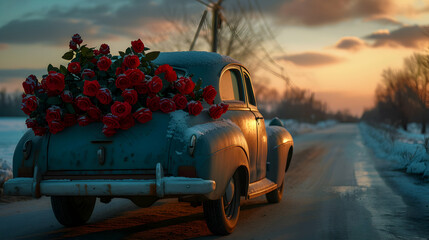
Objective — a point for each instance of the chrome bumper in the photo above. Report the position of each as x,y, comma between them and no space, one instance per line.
159,187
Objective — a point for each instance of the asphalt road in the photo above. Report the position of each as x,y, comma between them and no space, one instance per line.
335,189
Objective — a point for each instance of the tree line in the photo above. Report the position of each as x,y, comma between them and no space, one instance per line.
402,96
10,104
297,103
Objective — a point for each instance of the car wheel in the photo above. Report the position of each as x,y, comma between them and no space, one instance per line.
276,195
222,215
71,210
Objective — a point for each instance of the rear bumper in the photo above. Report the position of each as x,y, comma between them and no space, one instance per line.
160,187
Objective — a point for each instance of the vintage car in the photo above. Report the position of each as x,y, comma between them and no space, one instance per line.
194,158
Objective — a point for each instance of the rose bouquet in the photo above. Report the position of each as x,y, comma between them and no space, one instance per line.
116,90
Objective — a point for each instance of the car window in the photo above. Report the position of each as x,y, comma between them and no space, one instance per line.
249,87
230,86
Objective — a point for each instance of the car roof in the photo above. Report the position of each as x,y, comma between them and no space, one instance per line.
190,59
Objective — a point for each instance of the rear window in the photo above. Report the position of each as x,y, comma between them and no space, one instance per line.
230,86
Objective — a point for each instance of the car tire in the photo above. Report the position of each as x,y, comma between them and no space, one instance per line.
276,195
72,210
222,215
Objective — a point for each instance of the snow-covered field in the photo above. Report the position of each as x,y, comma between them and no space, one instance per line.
409,150
11,130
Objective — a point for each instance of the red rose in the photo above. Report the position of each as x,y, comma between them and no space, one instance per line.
130,96
90,88
155,84
96,52
55,126
53,113
30,84
143,115
123,82
131,61
77,39
25,109
83,120
67,96
217,110
137,46
104,49
119,70
104,63
170,74
135,76
83,103
181,101
104,96
224,107
209,94
72,45
39,131
55,81
111,121
31,123
142,87
185,85
195,107
74,67
127,122
94,113
108,132
30,102
69,119
167,105
121,109
88,74
153,103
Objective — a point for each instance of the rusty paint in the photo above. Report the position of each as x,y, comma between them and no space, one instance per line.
109,189
152,189
86,189
25,172
37,192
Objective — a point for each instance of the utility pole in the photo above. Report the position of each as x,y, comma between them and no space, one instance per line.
215,24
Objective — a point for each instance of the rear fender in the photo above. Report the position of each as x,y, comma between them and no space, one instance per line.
220,151
36,148
279,143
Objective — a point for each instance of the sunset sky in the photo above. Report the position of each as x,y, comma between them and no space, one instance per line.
336,48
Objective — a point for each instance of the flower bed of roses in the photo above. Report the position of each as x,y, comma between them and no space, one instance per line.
116,90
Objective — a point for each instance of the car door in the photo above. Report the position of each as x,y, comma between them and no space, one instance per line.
232,92
261,159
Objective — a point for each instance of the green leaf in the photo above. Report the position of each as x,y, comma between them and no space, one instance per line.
50,68
121,53
70,108
86,52
63,70
128,51
145,48
68,55
198,86
152,56
53,101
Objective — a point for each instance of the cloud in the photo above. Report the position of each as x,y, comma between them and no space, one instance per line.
321,12
48,31
350,43
384,20
310,59
407,36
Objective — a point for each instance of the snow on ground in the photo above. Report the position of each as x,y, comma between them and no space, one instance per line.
296,128
409,150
